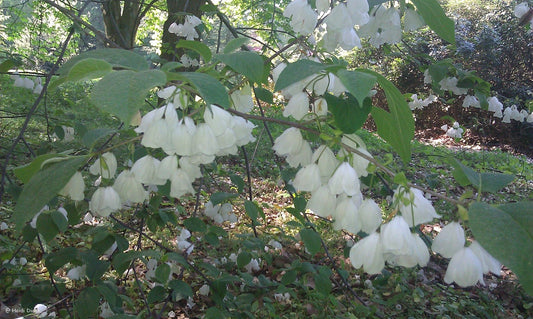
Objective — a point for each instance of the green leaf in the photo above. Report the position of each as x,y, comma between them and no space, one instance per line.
357,83
397,127
237,181
109,291
289,277
484,182
436,19
197,46
297,71
29,233
214,313
251,210
348,115
122,93
46,226
96,269
170,66
195,224
311,240
9,64
220,197
88,69
42,187
25,172
180,290
506,232
493,182
59,220
157,294
178,258
58,259
121,261
322,282
243,259
91,137
86,305
211,90
249,64
264,95
235,44
162,273
118,58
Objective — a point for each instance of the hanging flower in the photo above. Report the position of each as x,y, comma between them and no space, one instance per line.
396,237
344,180
488,263
105,166
105,200
74,188
298,106
415,208
303,17
289,142
145,169
307,179
242,99
450,240
465,269
322,202
347,216
129,188
368,253
370,216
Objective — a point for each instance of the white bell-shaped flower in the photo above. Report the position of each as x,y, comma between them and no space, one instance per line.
105,166
167,167
104,201
471,100
368,253
76,273
495,106
242,99
320,107
145,169
358,10
149,118
180,184
344,180
192,170
181,137
450,240
307,179
322,202
346,216
303,17
370,216
326,160
74,188
465,269
488,263
415,208
418,255
129,188
227,143
412,20
289,142
303,157
521,9
217,119
396,237
298,106
157,135
243,131
204,140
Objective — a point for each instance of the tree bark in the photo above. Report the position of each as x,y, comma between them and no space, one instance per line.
177,9
122,22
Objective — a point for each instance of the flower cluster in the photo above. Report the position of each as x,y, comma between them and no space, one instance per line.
220,213
455,131
187,29
346,22
34,85
187,142
467,264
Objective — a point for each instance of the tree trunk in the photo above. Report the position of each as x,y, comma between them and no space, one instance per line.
122,23
176,10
